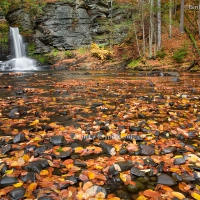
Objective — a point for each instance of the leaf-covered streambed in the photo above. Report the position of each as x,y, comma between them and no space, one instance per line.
99,136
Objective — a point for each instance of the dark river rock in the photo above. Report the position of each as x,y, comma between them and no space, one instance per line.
165,179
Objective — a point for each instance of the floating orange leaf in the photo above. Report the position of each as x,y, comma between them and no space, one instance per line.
44,172
91,175
151,193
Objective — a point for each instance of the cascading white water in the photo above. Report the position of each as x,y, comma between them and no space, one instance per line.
19,61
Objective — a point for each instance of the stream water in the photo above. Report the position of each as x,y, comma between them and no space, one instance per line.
165,106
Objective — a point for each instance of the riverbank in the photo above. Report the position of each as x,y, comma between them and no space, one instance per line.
87,62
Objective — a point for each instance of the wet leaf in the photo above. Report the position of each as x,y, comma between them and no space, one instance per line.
195,195
91,175
9,171
141,197
44,172
18,184
151,193
178,195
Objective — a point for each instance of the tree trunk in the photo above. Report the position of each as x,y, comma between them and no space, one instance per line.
182,17
143,31
199,19
151,28
136,38
159,24
170,18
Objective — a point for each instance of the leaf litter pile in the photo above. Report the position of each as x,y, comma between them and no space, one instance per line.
85,136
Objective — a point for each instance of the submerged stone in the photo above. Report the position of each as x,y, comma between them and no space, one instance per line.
17,193
45,198
123,194
165,179
135,188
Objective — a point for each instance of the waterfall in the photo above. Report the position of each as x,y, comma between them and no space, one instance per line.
19,60
17,43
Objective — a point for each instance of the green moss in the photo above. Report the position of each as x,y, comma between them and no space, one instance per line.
161,53
68,54
83,50
180,54
134,63
42,58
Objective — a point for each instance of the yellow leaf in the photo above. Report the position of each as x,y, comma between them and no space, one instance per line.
61,179
123,177
62,128
34,122
44,172
198,187
195,195
178,195
37,138
141,197
91,175
117,148
30,189
178,156
14,164
26,157
9,171
69,166
18,184
114,198
123,134
78,149
98,167
80,194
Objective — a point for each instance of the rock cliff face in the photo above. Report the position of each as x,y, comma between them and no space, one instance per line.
72,24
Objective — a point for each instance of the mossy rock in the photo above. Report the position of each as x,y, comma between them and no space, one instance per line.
135,188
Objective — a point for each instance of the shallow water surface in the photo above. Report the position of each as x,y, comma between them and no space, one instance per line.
139,114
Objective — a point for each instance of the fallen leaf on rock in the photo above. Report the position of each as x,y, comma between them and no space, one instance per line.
18,184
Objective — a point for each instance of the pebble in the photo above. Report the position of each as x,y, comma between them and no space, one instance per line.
136,172
17,193
165,179
58,140
146,150
20,137
6,149
7,181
